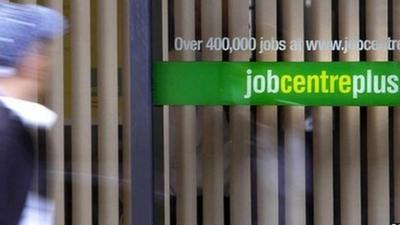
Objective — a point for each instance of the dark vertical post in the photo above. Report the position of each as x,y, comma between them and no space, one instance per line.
141,111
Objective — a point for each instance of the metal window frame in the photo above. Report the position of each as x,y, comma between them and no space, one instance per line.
142,199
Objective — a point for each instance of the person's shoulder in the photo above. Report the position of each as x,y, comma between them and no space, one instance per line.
9,123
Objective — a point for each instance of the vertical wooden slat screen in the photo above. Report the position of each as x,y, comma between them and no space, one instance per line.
55,147
294,137
240,187
212,125
81,120
126,115
350,165
267,125
322,123
81,113
186,135
108,111
396,118
377,125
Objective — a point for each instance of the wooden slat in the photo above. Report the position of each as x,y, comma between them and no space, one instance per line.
108,111
240,186
350,165
213,167
396,122
267,126
81,113
55,140
377,127
126,116
186,190
294,137
322,123
350,185
212,126
167,176
27,1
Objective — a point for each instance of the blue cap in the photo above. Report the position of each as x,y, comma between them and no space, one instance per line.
22,25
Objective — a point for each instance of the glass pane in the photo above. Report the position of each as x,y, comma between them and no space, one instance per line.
220,159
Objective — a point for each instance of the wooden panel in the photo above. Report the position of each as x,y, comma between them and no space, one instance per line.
240,183
55,146
294,136
267,126
27,1
108,111
377,127
186,135
350,165
166,122
322,123
81,113
212,126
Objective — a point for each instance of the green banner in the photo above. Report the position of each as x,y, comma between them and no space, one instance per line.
277,83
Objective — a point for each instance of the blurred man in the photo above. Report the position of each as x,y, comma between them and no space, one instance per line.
25,34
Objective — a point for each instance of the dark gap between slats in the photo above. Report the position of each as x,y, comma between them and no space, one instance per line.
42,163
225,27
309,148
198,57
308,118
363,33
225,57
121,167
336,166
95,175
197,34
281,167
171,38
364,172
335,27
281,134
390,24
336,125
171,25
363,127
67,175
391,163
253,164
253,128
391,123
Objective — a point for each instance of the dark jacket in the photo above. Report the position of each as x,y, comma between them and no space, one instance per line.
16,166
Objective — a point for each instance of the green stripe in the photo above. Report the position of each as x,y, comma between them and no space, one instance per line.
225,83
